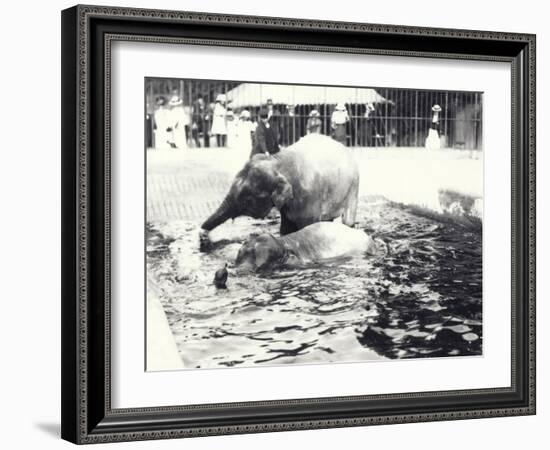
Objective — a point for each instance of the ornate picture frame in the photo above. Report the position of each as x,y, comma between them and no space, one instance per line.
88,33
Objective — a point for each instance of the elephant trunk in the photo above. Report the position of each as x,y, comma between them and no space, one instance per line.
224,212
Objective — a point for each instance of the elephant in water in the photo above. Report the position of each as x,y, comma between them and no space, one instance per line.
316,179
318,242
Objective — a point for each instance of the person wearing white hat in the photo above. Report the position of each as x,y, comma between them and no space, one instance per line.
162,124
177,137
314,122
231,126
219,125
338,122
367,131
245,129
433,141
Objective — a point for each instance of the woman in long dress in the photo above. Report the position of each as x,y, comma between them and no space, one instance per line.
162,124
433,142
219,126
231,125
245,129
338,122
177,118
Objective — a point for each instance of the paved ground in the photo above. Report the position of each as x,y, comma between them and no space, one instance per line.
188,184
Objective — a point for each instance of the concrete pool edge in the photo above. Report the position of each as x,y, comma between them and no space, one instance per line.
161,349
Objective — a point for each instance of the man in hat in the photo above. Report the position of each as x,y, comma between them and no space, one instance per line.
201,122
265,137
275,119
367,131
289,125
314,122
338,122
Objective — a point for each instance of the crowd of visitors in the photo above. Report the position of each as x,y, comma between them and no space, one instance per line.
203,124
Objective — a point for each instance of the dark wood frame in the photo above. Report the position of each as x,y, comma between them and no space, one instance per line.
87,33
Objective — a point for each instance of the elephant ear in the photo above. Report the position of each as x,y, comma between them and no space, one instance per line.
282,193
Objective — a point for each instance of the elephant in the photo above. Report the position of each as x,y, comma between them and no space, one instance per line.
316,179
317,242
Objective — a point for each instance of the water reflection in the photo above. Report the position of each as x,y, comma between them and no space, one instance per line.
420,296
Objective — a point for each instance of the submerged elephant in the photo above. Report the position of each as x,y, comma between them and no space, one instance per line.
318,242
316,179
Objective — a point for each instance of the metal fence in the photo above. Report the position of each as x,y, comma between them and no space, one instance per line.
390,117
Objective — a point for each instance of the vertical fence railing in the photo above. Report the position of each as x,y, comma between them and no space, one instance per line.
401,119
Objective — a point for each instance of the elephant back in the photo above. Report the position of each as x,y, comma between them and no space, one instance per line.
315,159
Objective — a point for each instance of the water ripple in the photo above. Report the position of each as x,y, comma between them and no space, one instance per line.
420,296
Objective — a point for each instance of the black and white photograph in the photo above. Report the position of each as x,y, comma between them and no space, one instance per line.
307,224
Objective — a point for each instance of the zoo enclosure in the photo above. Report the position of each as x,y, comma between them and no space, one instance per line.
399,118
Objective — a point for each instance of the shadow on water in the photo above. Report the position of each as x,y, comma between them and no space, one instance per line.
420,296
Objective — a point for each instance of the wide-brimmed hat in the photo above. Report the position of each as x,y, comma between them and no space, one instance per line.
220,98
175,101
245,114
340,107
370,107
314,113
436,108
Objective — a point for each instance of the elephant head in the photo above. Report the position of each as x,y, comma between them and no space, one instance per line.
256,189
261,252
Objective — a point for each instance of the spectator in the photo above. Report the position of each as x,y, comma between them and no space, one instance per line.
149,122
161,125
219,125
265,138
275,119
209,116
314,122
367,131
338,122
433,141
289,126
177,123
245,130
187,124
198,124
231,124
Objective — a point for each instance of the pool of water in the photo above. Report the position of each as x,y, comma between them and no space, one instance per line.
419,296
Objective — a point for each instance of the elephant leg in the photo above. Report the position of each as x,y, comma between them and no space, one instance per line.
350,210
287,226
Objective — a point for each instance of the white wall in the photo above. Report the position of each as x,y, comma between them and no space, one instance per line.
29,318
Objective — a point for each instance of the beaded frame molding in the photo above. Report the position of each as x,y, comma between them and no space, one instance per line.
87,35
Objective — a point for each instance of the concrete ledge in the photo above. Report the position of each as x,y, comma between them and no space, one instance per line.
161,352
443,182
